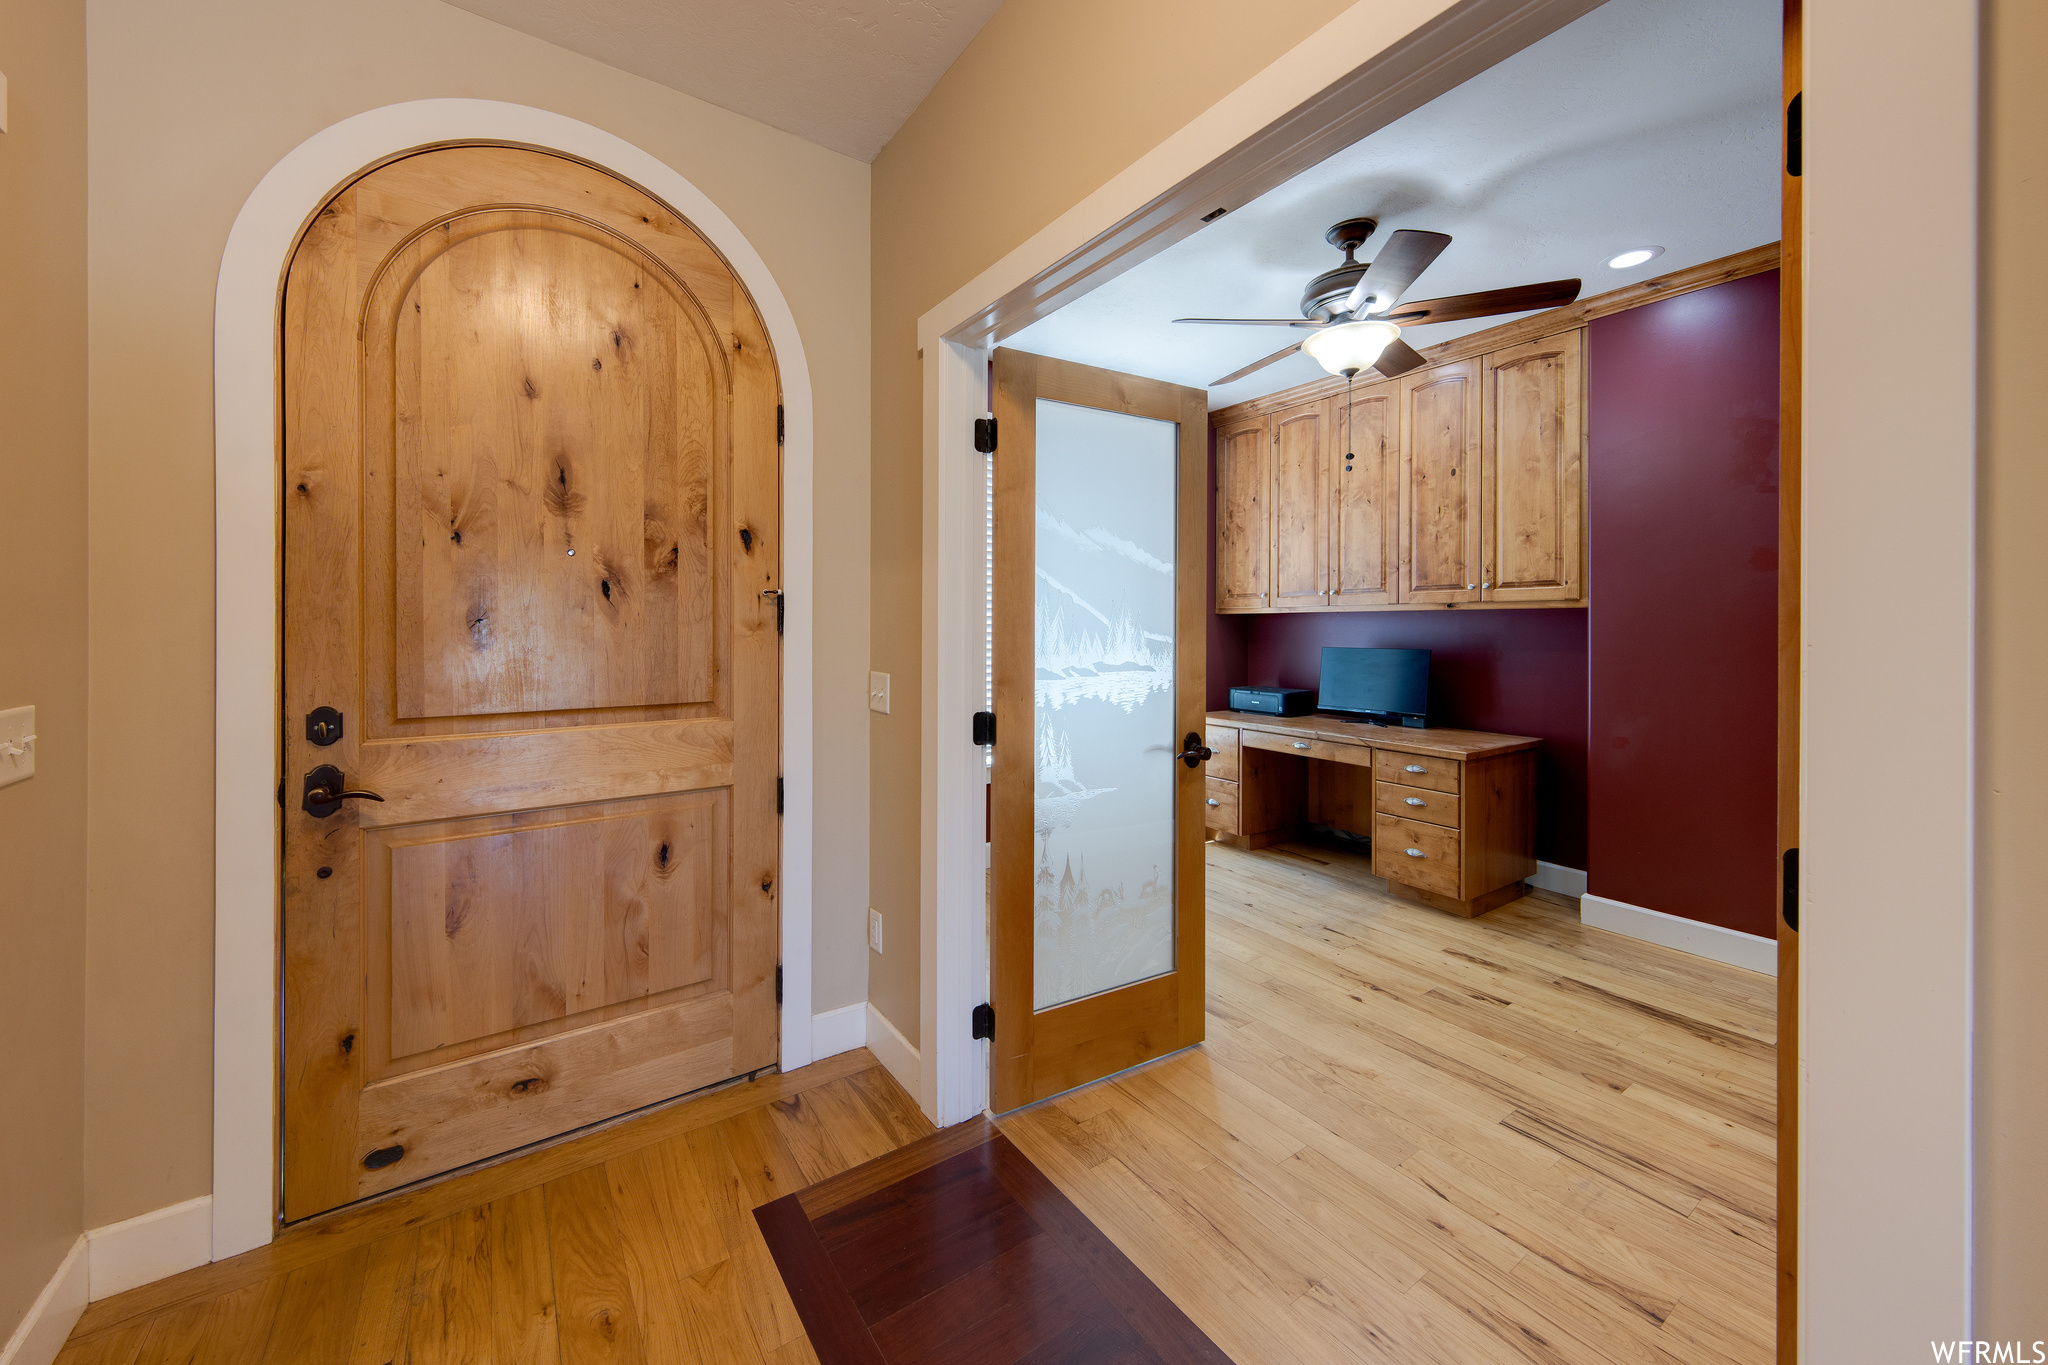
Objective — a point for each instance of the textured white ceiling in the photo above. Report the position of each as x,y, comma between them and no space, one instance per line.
1646,122
844,74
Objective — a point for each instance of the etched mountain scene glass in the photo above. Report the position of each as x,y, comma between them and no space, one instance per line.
1103,704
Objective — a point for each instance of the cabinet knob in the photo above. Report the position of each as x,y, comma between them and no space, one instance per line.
1301,744
1470,586
1486,585
1415,768
1415,853
1214,802
1417,801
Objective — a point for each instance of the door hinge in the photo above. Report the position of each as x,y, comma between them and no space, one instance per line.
1794,148
781,606
280,792
985,435
985,1022
984,727
778,983
1792,889
778,424
778,796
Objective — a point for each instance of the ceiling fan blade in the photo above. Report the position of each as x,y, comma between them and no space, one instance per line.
1406,255
1522,298
1255,366
1255,322
1398,358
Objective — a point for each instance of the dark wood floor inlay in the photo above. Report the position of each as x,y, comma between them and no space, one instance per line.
957,1249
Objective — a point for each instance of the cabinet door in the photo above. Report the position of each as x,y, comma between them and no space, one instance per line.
1440,485
1533,459
1365,518
1301,499
1244,530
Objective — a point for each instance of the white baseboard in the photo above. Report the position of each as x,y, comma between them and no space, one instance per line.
1565,881
1731,946
50,1318
837,1031
157,1244
892,1050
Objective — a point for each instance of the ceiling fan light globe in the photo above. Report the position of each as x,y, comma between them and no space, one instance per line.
1350,347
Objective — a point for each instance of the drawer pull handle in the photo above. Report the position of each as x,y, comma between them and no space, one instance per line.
1214,802
1301,744
1415,853
1415,768
1417,801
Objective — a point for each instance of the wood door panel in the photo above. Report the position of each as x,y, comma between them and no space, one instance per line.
1300,506
1365,503
1535,472
1244,518
502,923
475,774
493,357
553,489
509,1098
1440,522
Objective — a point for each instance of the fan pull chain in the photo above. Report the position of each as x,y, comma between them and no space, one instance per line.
1348,456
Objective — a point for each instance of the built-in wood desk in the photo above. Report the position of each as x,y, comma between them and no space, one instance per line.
1451,813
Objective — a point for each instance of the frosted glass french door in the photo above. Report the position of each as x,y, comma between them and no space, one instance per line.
1099,544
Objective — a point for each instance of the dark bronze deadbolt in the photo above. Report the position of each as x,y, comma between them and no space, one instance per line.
323,725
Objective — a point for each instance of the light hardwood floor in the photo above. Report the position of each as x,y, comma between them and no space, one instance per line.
1408,1138
1412,1137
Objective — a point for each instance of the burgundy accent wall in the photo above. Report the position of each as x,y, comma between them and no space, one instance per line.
1519,672
1683,428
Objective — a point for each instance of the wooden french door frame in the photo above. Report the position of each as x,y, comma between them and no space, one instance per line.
1038,1053
1791,321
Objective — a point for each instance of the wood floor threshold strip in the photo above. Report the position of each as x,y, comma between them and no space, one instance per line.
933,1251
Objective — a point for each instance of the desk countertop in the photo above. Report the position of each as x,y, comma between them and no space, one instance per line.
1438,743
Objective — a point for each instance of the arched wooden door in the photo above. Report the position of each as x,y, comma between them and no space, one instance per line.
531,544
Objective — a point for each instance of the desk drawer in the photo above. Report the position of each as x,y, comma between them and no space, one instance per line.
1413,770
1219,809
1415,803
1306,747
1433,864
1222,741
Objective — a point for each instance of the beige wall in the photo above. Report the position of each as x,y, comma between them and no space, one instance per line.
42,643
983,163
190,105
2012,755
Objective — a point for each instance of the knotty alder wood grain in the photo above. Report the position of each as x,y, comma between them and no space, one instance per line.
1407,1138
532,491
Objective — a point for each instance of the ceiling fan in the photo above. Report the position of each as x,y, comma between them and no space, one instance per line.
1354,312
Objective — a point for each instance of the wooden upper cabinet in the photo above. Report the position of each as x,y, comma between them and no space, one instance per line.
1301,501
1440,484
1244,517
1365,503
1535,472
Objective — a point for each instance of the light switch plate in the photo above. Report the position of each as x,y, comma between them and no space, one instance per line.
17,733
874,929
878,692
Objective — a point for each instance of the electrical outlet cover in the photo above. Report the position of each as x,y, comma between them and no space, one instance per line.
878,692
17,744
874,929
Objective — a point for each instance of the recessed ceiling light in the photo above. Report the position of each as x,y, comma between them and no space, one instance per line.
1629,259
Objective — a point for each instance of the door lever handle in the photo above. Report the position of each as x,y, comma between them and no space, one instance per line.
1193,752
324,793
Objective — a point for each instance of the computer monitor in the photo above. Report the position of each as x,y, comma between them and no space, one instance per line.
1377,683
